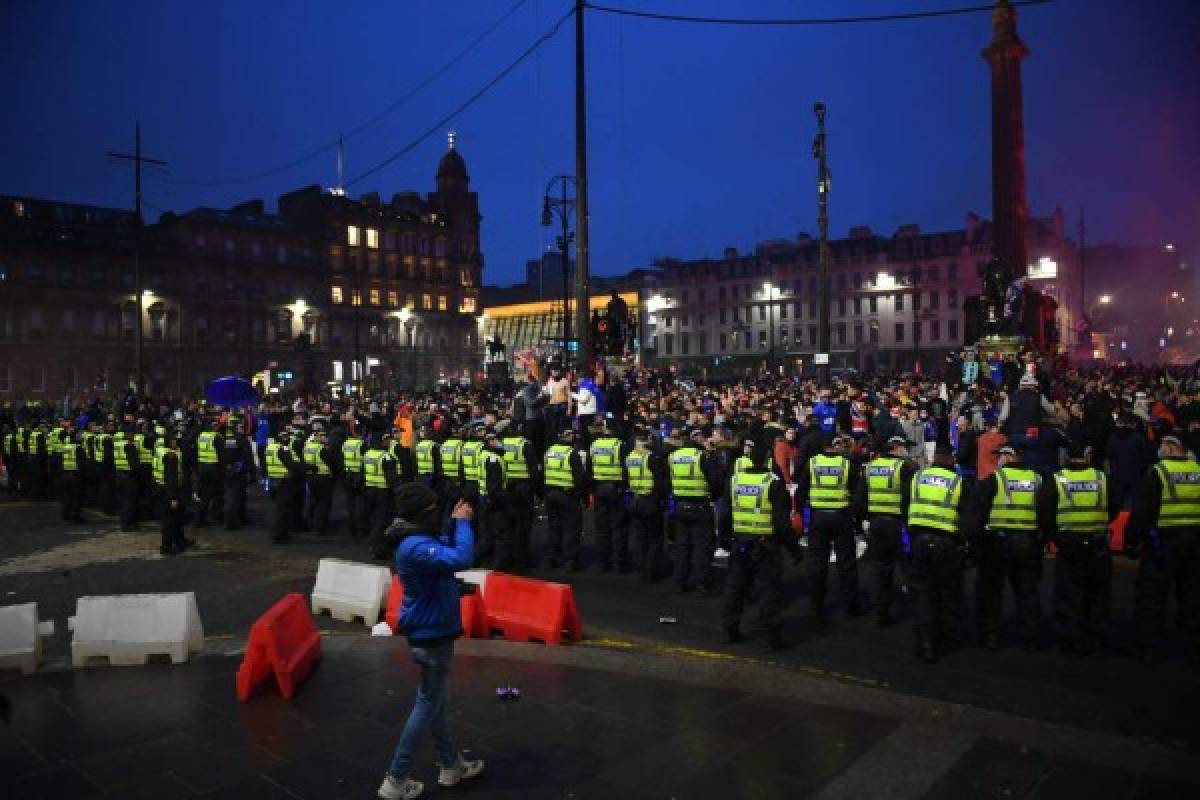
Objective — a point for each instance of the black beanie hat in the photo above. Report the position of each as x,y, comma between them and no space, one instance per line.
413,500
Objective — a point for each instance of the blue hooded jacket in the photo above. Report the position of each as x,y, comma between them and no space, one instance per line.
426,565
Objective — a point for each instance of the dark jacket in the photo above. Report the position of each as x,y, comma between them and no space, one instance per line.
426,565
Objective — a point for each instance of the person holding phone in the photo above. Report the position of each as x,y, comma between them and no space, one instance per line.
426,561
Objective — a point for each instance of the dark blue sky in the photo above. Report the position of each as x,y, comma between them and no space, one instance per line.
700,135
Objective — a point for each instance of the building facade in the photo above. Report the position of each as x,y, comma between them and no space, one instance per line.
893,300
327,292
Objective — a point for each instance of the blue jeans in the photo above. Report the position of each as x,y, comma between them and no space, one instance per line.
433,697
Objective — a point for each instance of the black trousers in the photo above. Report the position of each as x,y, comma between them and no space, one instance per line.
356,505
1015,558
884,550
320,501
1174,561
832,530
612,532
235,500
210,489
34,477
108,489
755,570
520,501
171,525
564,526
497,540
283,496
379,515
935,578
72,497
1082,589
127,496
695,541
646,522
147,501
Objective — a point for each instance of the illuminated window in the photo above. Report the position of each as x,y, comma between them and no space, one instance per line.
374,295
352,235
355,297
442,304
372,238
336,294
468,305
393,299
410,301
18,208
427,302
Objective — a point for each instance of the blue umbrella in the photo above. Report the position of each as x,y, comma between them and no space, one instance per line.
231,392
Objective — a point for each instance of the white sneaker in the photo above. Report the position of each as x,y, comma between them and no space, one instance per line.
392,789
464,769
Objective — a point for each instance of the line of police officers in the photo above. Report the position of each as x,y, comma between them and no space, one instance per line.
928,522
136,472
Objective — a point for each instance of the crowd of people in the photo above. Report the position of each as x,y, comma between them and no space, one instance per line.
936,474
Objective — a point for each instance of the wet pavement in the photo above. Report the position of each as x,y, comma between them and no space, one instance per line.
591,722
641,708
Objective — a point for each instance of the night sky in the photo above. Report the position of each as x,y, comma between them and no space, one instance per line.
700,135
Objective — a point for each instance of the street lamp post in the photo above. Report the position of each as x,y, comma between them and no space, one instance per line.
563,207
823,177
773,293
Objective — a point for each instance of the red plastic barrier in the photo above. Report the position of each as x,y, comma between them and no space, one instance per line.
395,596
470,607
1116,542
284,642
525,610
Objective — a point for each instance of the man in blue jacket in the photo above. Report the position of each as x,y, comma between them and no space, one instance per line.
430,618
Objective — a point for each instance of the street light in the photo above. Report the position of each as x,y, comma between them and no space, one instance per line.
773,294
1105,299
562,206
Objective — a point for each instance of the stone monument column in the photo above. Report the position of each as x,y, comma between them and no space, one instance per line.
1010,210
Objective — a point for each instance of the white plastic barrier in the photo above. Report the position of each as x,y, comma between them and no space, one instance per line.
478,577
348,590
21,637
127,629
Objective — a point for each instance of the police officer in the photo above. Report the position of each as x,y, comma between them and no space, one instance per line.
760,528
125,464
1075,508
53,441
524,474
406,465
566,479
935,513
1006,532
285,477
886,482
427,457
829,487
470,453
106,452
237,463
693,478
71,458
1163,533
296,446
143,440
319,475
606,457
495,504
168,475
450,455
36,462
209,446
8,451
643,476
352,481
379,478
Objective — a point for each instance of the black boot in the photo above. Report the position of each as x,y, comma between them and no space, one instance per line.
733,634
926,652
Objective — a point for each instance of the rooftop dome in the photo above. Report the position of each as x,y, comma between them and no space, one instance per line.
452,167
